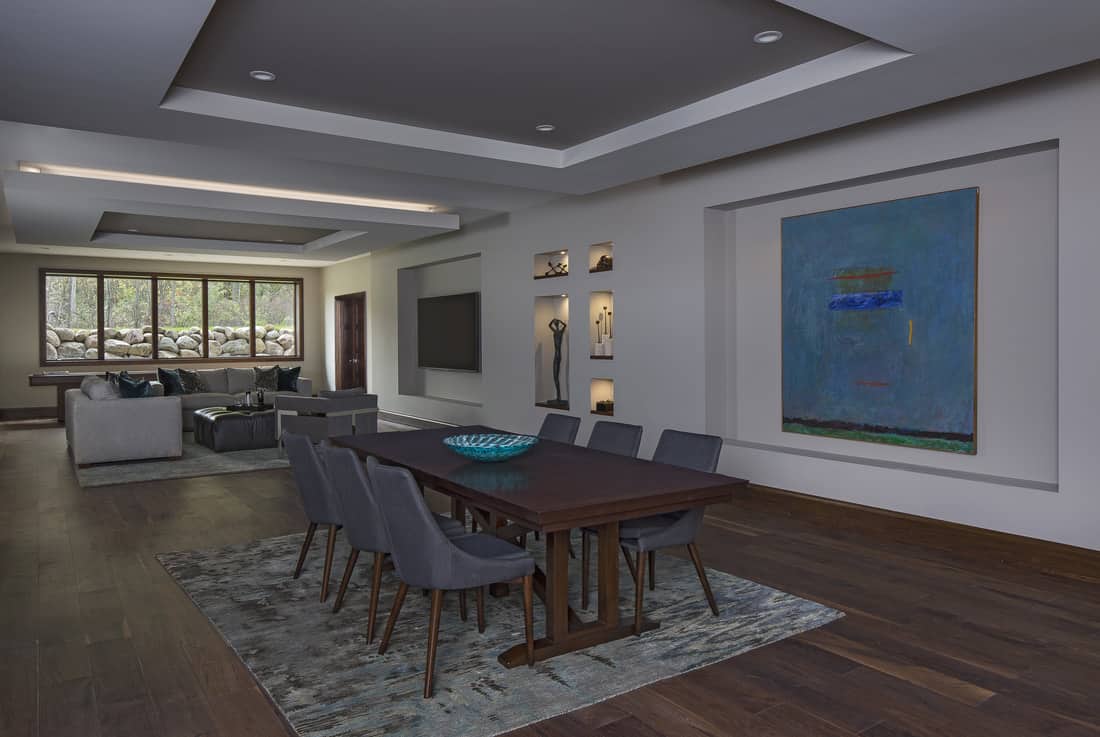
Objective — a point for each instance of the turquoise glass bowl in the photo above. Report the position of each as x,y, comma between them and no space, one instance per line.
490,448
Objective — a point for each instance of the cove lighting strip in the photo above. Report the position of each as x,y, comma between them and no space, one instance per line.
207,185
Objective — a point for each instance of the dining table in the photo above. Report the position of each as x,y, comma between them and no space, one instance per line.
553,488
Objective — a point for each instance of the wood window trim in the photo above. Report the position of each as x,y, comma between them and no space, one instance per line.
155,276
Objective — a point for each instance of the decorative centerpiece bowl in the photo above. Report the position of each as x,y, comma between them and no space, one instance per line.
490,447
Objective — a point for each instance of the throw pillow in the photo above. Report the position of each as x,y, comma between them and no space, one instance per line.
170,378
266,378
97,388
288,378
131,388
192,382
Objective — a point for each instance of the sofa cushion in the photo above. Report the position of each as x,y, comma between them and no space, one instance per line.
131,388
170,378
97,388
240,380
266,378
215,380
288,378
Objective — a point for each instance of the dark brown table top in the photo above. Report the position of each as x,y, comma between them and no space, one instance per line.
553,486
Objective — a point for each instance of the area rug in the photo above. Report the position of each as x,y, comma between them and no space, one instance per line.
319,670
197,460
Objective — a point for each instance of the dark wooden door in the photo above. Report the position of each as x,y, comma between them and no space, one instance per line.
351,351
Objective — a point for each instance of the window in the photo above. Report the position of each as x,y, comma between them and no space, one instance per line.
179,319
113,316
70,305
277,318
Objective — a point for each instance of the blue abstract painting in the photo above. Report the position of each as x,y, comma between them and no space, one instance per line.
879,322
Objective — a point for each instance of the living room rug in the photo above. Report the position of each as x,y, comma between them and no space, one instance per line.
197,460
328,682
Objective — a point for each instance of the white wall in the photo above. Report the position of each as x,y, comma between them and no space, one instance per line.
669,372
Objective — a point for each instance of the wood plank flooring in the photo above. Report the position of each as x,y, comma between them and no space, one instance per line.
949,631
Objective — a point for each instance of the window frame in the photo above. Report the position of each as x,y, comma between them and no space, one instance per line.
156,276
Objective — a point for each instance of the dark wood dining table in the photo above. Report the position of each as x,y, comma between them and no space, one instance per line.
553,488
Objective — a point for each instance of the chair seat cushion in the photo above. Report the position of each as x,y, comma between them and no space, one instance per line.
489,546
635,528
451,527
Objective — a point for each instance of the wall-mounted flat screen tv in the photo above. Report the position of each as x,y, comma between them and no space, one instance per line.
448,332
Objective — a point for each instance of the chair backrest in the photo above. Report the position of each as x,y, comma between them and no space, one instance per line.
312,481
421,553
689,450
363,522
616,437
562,428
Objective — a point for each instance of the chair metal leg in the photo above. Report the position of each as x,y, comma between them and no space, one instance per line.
353,558
480,608
652,570
586,560
639,589
462,613
433,640
330,551
395,610
629,562
375,586
693,550
529,619
305,548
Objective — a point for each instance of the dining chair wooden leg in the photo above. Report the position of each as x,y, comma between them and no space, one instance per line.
480,608
462,613
330,551
305,548
693,551
375,586
398,600
652,570
529,619
639,589
586,560
433,640
353,558
629,562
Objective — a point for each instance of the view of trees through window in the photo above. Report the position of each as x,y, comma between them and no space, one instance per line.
72,317
231,330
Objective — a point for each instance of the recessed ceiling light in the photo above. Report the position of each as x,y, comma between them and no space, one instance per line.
262,75
767,37
208,185
544,127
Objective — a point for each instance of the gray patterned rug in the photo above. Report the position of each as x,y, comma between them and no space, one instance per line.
197,460
319,670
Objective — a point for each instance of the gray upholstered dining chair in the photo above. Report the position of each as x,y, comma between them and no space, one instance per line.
561,428
616,437
424,557
611,437
645,535
363,525
320,502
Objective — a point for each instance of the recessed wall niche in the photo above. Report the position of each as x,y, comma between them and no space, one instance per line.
551,264
600,257
602,397
601,325
552,351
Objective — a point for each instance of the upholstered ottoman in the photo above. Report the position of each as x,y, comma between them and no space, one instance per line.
221,429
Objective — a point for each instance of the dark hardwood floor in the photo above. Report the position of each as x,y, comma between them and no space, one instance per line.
949,631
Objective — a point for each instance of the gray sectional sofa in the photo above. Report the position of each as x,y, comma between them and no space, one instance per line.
227,386
102,428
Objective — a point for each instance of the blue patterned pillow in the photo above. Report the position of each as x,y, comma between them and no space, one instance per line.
131,388
170,378
288,378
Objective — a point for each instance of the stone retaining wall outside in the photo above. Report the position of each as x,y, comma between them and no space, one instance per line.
136,343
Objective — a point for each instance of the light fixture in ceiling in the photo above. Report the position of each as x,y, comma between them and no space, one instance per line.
262,75
545,127
207,185
767,37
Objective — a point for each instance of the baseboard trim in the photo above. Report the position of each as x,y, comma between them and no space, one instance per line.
1018,551
11,414
422,423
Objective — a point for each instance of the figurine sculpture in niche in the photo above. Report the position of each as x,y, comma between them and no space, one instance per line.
558,269
604,264
557,327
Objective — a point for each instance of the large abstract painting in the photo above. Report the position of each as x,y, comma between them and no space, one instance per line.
879,322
